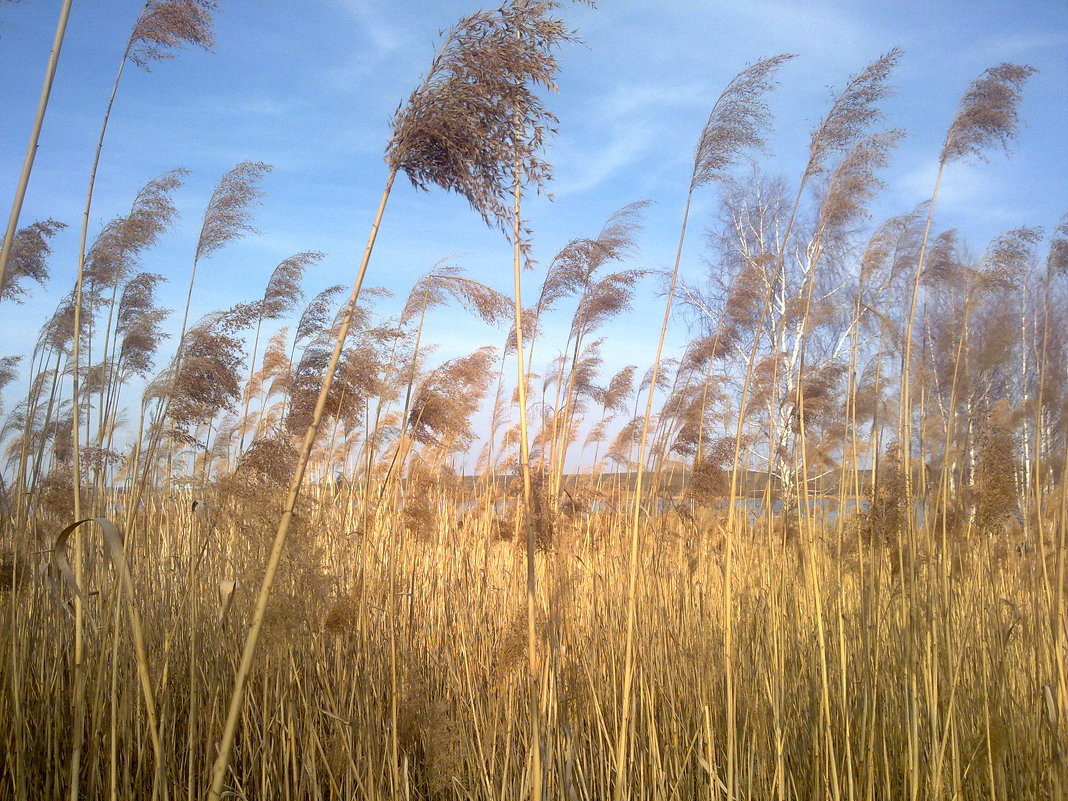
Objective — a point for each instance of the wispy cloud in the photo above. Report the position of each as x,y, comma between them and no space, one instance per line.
377,37
1028,44
968,192
584,171
812,23
628,126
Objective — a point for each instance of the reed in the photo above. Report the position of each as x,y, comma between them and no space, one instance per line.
749,590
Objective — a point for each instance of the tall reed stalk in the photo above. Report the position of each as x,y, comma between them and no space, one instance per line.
35,135
987,116
461,135
734,125
162,24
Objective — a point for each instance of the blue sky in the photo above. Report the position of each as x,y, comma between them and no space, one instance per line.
310,87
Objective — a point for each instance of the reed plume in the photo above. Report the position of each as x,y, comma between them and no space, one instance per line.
445,400
8,371
619,389
162,25
137,338
854,110
575,271
435,289
28,258
206,380
117,250
356,371
735,124
446,281
227,217
474,117
476,113
137,324
986,116
318,312
229,213
314,318
112,258
282,295
573,268
854,182
166,25
272,377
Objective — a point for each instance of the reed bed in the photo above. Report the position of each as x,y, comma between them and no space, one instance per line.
855,678
818,554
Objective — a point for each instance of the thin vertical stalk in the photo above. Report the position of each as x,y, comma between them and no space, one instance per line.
905,412
35,135
632,575
83,240
222,761
248,386
524,459
79,703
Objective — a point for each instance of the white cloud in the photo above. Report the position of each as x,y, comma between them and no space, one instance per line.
970,194
1027,44
377,38
581,171
620,130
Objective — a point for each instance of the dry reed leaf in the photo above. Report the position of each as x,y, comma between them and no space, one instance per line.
112,539
226,598
1049,705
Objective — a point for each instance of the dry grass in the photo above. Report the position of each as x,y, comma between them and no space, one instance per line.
825,559
845,666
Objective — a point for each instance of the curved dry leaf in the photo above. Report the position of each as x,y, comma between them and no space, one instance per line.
112,539
226,598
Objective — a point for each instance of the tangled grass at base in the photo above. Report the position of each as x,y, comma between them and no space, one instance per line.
862,662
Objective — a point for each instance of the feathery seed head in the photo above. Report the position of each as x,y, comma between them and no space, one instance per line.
29,258
475,116
854,110
283,291
987,114
229,213
169,24
737,121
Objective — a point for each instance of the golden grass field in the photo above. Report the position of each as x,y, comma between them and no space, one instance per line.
820,553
